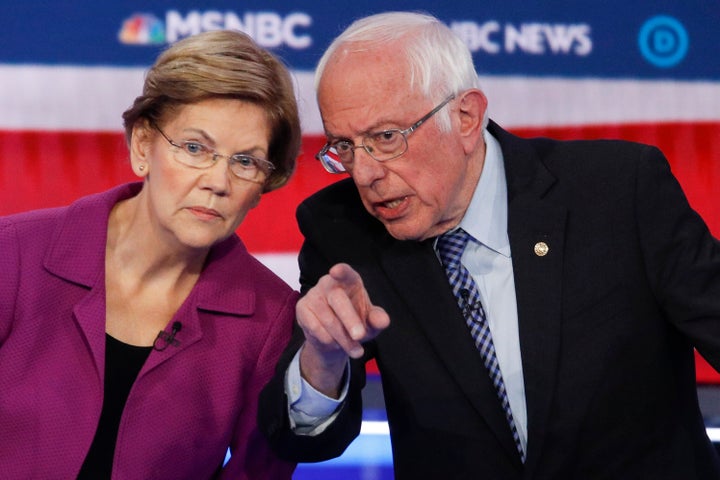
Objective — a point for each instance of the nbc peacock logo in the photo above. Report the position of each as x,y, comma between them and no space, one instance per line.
142,29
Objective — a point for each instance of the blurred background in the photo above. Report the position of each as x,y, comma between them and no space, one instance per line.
646,71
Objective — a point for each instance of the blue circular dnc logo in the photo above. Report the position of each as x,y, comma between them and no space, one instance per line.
663,41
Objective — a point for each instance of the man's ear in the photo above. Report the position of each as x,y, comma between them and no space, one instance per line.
140,143
472,105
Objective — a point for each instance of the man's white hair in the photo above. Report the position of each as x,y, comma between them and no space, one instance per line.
440,63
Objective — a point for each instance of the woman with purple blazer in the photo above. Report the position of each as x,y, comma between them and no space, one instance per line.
136,331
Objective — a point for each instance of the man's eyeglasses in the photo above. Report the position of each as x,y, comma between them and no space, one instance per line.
198,155
338,156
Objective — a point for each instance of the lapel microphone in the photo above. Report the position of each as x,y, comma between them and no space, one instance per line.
164,339
467,307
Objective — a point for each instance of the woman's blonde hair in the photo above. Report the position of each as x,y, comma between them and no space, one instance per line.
224,64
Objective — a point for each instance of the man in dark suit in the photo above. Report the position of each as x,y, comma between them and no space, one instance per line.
532,305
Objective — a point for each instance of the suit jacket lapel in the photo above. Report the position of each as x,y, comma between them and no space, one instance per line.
77,254
419,278
535,219
538,290
212,294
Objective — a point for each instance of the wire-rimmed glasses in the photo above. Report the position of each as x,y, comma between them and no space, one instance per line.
195,154
338,156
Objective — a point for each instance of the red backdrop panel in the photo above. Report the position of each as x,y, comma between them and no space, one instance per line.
43,169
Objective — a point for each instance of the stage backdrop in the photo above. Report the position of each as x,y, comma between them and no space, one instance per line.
645,70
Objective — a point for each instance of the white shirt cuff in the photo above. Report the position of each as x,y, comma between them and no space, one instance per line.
310,411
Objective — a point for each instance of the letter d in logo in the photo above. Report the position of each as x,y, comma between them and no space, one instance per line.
663,41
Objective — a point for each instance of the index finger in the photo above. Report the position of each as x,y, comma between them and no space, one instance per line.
345,275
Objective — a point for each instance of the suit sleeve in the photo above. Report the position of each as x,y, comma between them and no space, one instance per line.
273,413
682,257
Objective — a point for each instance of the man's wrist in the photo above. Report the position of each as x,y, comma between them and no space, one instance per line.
324,372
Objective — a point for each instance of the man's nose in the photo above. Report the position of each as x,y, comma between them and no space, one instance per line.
366,169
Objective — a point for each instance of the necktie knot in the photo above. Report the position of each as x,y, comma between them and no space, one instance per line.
450,247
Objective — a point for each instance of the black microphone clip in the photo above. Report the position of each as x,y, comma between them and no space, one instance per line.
167,338
466,306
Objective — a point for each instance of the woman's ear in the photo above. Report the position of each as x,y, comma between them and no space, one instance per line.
140,143
472,106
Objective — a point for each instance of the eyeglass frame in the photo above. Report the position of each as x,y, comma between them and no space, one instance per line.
404,133
259,162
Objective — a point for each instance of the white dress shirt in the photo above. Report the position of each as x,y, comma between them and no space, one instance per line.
489,261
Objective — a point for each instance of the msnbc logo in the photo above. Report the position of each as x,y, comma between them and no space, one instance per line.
268,29
142,29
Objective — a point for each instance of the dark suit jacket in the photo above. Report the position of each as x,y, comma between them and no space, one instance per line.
608,321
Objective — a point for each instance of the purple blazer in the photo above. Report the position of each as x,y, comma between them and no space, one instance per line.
189,403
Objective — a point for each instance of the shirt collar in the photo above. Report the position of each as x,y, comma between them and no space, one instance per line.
486,216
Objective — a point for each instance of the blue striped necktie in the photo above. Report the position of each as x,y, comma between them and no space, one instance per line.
450,246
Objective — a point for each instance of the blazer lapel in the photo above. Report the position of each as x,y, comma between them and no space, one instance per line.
189,333
77,254
536,228
212,295
87,313
538,291
419,278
